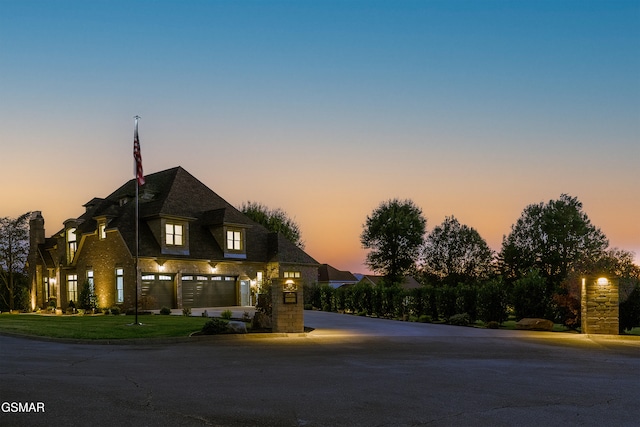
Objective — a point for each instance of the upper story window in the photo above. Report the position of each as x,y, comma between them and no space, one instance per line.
72,244
174,234
291,274
102,231
234,240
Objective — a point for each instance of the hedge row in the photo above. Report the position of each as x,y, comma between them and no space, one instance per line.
487,302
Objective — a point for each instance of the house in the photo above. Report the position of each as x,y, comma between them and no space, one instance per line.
408,283
195,250
328,275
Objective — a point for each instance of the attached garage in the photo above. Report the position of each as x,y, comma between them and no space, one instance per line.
157,290
208,291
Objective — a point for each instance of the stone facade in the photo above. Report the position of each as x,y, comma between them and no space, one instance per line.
287,305
600,305
195,250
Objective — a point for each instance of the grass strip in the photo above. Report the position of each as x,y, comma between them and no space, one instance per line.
100,326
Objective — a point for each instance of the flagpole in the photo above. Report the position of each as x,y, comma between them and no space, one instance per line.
136,179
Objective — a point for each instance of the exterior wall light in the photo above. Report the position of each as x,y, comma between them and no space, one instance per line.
289,285
603,281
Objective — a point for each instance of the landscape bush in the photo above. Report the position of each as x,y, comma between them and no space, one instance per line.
492,301
227,314
165,311
461,319
115,310
186,311
630,310
214,326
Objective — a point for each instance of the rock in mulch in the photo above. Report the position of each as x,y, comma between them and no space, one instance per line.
237,327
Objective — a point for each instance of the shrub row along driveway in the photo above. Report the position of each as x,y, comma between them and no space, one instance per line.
348,371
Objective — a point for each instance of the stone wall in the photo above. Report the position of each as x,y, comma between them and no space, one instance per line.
600,306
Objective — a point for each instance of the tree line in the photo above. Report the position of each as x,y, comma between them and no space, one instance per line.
536,272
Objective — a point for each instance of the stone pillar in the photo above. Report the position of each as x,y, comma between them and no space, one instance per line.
600,305
287,306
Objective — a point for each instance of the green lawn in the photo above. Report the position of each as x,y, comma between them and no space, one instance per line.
100,327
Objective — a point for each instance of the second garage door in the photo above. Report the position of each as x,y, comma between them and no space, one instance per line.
208,291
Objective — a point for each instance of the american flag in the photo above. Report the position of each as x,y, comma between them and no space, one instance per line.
137,157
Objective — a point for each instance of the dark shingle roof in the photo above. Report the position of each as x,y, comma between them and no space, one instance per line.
176,193
327,273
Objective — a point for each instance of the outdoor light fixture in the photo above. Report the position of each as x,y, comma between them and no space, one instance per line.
289,285
603,281
213,266
160,263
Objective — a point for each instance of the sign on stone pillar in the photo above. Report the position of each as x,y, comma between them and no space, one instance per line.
600,305
287,306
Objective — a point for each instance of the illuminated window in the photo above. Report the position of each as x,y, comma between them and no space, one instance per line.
90,280
119,285
291,274
72,287
102,231
259,278
234,240
72,244
174,234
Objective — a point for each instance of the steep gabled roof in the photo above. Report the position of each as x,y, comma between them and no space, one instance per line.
175,193
327,273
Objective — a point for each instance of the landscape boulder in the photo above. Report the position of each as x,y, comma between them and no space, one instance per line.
528,324
237,327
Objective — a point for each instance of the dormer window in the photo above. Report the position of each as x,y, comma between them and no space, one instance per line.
234,240
72,244
235,243
174,234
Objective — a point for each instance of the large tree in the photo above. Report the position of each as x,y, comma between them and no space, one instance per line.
275,220
394,232
456,253
14,250
556,238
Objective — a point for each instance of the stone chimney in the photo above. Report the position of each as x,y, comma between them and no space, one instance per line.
36,229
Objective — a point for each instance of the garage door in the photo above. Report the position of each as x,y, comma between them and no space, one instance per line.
208,291
157,291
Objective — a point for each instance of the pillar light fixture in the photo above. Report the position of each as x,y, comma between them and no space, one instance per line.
602,281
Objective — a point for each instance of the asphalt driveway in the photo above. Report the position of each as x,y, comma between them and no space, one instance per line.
350,371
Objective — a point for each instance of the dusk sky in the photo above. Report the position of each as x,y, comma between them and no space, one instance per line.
328,108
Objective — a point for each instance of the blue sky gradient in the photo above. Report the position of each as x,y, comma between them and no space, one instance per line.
326,109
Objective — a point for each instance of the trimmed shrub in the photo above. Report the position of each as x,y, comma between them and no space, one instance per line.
467,300
326,298
630,310
447,297
529,296
459,319
492,301
115,310
214,326
165,311
423,318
